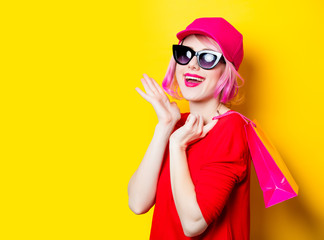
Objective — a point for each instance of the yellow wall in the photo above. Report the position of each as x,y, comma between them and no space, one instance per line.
73,128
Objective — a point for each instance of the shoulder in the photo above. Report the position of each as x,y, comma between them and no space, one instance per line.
229,129
233,118
227,140
231,123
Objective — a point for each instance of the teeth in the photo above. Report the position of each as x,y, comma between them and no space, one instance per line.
194,78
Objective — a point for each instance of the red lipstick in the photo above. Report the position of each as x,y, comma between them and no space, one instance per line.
193,80
193,75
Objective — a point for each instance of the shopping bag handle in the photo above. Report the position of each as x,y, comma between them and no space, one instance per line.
247,120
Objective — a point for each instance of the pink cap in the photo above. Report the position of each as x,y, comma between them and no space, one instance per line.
228,38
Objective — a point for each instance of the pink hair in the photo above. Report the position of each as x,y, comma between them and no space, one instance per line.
227,86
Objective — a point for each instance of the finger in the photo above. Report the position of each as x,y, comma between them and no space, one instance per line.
208,127
196,123
175,106
143,94
191,120
194,120
200,124
174,103
150,84
189,116
160,90
147,87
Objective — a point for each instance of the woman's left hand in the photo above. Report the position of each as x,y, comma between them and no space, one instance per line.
191,131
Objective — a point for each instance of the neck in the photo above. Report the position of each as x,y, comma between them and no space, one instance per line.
207,109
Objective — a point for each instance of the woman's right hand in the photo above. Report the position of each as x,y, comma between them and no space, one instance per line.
167,112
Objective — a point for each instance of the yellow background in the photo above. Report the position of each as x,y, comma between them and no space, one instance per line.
74,130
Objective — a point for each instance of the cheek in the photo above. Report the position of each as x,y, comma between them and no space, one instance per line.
179,72
178,69
217,75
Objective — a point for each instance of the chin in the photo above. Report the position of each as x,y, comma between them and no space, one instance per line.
192,98
195,96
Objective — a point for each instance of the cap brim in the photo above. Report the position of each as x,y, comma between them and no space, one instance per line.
181,35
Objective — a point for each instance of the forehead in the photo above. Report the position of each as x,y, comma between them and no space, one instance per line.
196,44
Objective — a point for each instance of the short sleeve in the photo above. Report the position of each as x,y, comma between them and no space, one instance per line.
225,165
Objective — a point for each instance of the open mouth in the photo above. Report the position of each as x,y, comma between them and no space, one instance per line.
193,81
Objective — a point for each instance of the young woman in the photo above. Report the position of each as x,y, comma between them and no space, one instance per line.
196,170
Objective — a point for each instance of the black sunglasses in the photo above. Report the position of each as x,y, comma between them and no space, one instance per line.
207,59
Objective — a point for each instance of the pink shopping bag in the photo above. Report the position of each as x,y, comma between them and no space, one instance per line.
274,178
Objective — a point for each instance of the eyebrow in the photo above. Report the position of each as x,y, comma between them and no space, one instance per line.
208,49
212,50
201,49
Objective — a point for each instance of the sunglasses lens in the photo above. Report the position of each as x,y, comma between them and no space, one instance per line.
207,60
182,54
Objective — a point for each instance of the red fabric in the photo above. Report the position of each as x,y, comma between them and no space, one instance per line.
219,166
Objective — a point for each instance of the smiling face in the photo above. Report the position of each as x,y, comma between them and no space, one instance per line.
197,84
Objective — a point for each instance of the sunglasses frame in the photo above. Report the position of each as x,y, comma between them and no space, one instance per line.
197,54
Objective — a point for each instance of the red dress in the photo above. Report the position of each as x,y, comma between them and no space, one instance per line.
219,166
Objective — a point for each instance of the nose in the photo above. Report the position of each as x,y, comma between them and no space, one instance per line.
193,64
